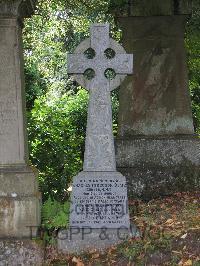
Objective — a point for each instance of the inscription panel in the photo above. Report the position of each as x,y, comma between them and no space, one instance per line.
8,116
99,200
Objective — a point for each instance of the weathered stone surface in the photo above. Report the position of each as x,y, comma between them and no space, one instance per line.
76,240
21,252
12,134
19,216
99,193
149,183
158,152
159,166
19,196
19,202
156,147
19,181
155,99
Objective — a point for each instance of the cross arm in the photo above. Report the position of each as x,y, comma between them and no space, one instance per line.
122,63
77,63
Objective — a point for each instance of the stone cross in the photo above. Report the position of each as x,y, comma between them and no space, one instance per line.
106,56
99,192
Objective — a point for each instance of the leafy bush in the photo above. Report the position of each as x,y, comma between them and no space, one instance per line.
56,136
193,50
55,215
35,84
57,126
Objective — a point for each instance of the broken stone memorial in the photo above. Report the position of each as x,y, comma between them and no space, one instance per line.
99,211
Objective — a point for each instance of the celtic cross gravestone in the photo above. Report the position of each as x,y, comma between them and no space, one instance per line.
99,192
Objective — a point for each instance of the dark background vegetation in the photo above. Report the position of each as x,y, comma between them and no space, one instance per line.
56,106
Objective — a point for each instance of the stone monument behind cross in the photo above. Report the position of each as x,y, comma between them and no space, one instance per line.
99,192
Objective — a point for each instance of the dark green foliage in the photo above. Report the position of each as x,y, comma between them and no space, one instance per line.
55,214
56,133
115,6
35,85
193,49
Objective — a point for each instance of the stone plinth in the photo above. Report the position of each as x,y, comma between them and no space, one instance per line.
156,145
77,240
99,215
19,196
19,202
159,166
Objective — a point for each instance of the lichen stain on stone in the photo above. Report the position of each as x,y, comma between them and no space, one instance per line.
157,61
19,210
150,91
158,125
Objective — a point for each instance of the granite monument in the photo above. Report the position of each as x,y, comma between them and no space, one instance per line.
99,193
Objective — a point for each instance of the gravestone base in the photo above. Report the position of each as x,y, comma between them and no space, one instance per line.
78,240
99,215
19,202
159,166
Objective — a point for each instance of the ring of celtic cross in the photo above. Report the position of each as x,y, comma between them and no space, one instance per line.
121,63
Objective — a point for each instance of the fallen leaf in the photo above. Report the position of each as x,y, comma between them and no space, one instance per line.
184,236
180,263
187,263
169,221
77,261
95,256
176,252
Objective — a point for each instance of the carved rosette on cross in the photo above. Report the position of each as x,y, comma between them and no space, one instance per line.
99,192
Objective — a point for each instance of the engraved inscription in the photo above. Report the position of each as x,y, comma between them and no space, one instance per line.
8,115
99,201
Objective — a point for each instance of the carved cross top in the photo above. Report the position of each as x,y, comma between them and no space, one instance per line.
100,62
